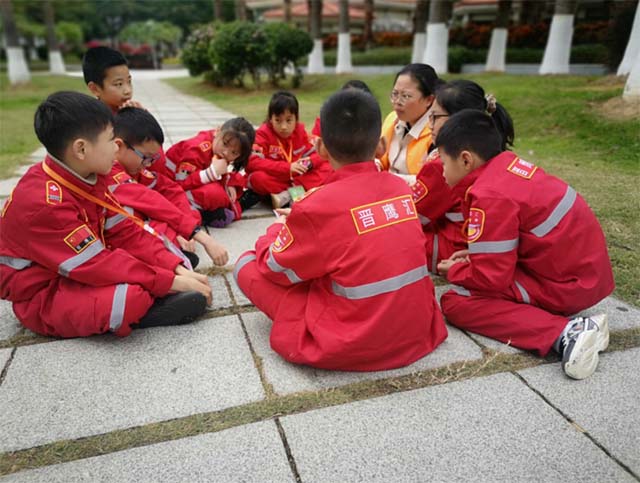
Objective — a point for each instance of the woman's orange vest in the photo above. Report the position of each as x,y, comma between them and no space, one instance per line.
417,150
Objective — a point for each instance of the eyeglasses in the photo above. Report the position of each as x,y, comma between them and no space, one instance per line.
400,98
146,160
434,117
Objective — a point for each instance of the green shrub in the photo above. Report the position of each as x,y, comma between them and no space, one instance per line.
461,55
286,44
195,54
589,54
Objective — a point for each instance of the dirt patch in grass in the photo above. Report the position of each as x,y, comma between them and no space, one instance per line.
619,109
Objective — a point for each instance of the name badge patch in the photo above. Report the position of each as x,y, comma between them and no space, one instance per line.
522,168
384,213
80,238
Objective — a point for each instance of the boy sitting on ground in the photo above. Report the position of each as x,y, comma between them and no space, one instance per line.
64,277
344,276
536,252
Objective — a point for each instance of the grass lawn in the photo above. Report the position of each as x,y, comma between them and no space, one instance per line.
565,124
17,106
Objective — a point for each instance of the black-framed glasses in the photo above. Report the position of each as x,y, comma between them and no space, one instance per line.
146,160
434,117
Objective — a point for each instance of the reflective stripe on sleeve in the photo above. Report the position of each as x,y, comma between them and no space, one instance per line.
170,164
424,220
493,247
192,201
242,261
66,267
454,217
434,255
117,306
558,213
114,220
15,263
525,295
383,286
153,184
276,267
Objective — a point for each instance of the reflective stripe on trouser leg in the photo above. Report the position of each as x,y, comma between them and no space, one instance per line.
118,306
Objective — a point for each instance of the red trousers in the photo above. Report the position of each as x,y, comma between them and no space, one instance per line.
441,243
500,316
211,196
67,308
264,183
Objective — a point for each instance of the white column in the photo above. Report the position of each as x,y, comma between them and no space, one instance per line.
496,58
558,50
633,46
56,64
419,44
17,66
632,87
343,65
316,58
436,50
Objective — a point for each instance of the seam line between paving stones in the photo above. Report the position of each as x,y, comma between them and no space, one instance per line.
577,426
5,369
287,449
257,361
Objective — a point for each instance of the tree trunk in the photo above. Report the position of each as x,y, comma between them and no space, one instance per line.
367,34
287,11
632,87
633,46
420,30
18,70
56,63
344,40
436,51
217,10
241,10
558,49
316,58
496,58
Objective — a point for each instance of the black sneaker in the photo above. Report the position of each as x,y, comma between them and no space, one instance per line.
176,309
580,345
193,258
249,198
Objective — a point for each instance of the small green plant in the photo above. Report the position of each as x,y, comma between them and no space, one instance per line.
287,45
195,54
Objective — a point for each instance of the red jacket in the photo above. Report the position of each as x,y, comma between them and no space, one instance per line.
149,204
273,155
47,232
531,233
353,250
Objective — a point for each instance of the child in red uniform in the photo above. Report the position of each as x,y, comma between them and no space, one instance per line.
139,137
200,165
437,203
343,276
63,275
536,253
283,154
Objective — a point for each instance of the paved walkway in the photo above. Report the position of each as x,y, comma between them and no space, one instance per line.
211,402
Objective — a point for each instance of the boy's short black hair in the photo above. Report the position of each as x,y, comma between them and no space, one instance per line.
242,130
135,125
66,116
282,101
97,60
350,122
357,84
470,130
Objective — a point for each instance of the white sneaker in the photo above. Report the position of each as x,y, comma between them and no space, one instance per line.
280,199
581,343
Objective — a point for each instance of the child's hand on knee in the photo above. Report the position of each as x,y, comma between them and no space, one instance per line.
217,252
184,283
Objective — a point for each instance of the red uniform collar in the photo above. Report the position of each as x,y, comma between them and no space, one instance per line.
351,170
68,175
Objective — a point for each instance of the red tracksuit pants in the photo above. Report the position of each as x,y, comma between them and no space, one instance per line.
210,197
441,243
265,183
502,317
67,308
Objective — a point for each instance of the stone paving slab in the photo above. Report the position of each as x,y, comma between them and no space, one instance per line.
485,429
289,378
221,296
241,298
4,357
82,387
248,453
9,324
605,405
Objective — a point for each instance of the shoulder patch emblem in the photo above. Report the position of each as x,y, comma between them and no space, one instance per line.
147,174
205,146
475,224
522,168
122,177
54,193
80,238
186,168
284,240
419,191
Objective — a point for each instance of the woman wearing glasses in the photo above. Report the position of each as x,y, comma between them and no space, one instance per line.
405,131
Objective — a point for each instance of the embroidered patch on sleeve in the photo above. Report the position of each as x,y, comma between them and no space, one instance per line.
147,174
284,240
522,168
80,238
122,178
54,193
187,168
419,191
383,213
205,146
274,151
475,224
